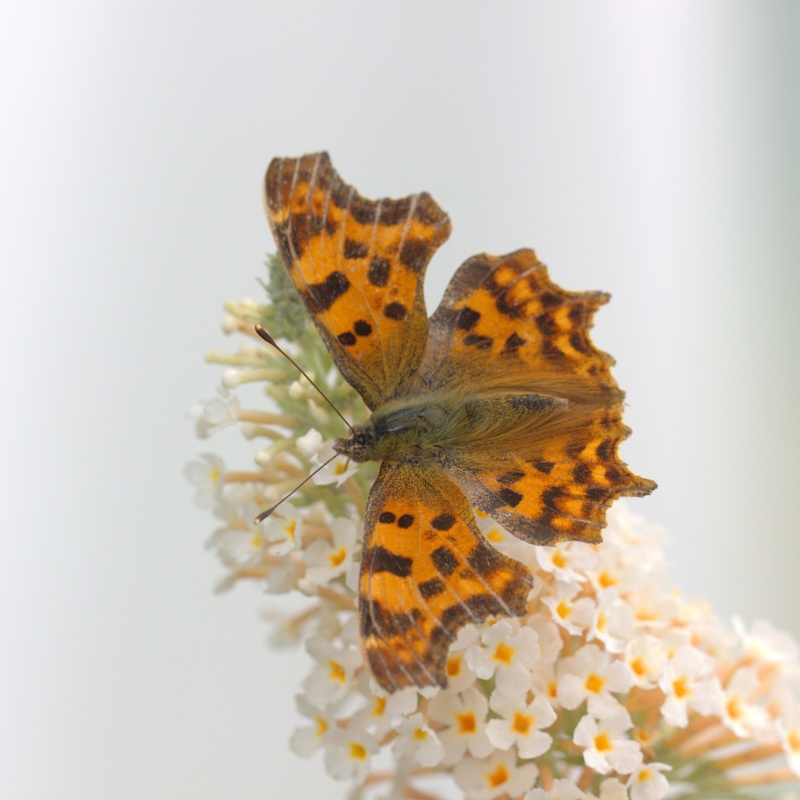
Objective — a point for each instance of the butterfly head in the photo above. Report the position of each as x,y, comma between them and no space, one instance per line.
361,446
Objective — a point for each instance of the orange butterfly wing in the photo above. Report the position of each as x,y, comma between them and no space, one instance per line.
504,326
426,571
358,265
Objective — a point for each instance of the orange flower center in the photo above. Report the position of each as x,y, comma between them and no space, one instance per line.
498,777
602,743
594,684
503,653
466,723
522,723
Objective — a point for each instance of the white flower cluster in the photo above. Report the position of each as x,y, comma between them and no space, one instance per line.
612,686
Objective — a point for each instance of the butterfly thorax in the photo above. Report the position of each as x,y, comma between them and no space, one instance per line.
432,426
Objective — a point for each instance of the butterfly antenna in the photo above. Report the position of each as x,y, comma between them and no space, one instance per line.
264,514
269,340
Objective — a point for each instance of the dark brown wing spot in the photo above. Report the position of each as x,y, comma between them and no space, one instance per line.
510,497
382,560
325,294
406,521
353,249
362,328
387,517
484,560
513,343
467,318
431,588
395,311
443,522
444,561
475,340
346,338
545,467
512,476
414,254
378,271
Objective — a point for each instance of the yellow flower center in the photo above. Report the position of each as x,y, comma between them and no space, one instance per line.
563,609
559,560
337,557
734,708
503,653
357,751
638,666
453,667
336,672
594,684
420,735
680,687
793,740
379,706
522,723
602,743
498,777
466,722
605,579
322,726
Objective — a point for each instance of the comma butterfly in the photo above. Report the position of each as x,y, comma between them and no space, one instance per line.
498,401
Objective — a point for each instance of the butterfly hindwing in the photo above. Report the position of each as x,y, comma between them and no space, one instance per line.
503,325
557,481
426,571
358,265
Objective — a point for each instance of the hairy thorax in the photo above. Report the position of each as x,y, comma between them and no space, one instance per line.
427,428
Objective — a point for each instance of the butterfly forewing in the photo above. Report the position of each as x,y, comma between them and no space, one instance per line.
358,265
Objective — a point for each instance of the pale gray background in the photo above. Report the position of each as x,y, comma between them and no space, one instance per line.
649,150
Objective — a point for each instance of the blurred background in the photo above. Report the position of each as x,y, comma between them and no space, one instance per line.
648,150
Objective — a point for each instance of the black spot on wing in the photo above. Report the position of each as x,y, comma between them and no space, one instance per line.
395,311
386,517
382,560
353,249
443,522
346,338
509,496
362,328
326,293
378,271
405,521
431,588
444,561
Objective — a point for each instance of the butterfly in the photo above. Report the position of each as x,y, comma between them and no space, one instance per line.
499,402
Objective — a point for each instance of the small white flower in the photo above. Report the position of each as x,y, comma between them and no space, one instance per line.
382,710
613,789
568,562
281,530
738,712
464,715
216,414
310,443
645,656
612,622
574,615
687,683
521,724
508,652
330,679
606,746
593,676
337,471
495,776
648,783
767,643
205,473
418,741
328,559
307,739
348,754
